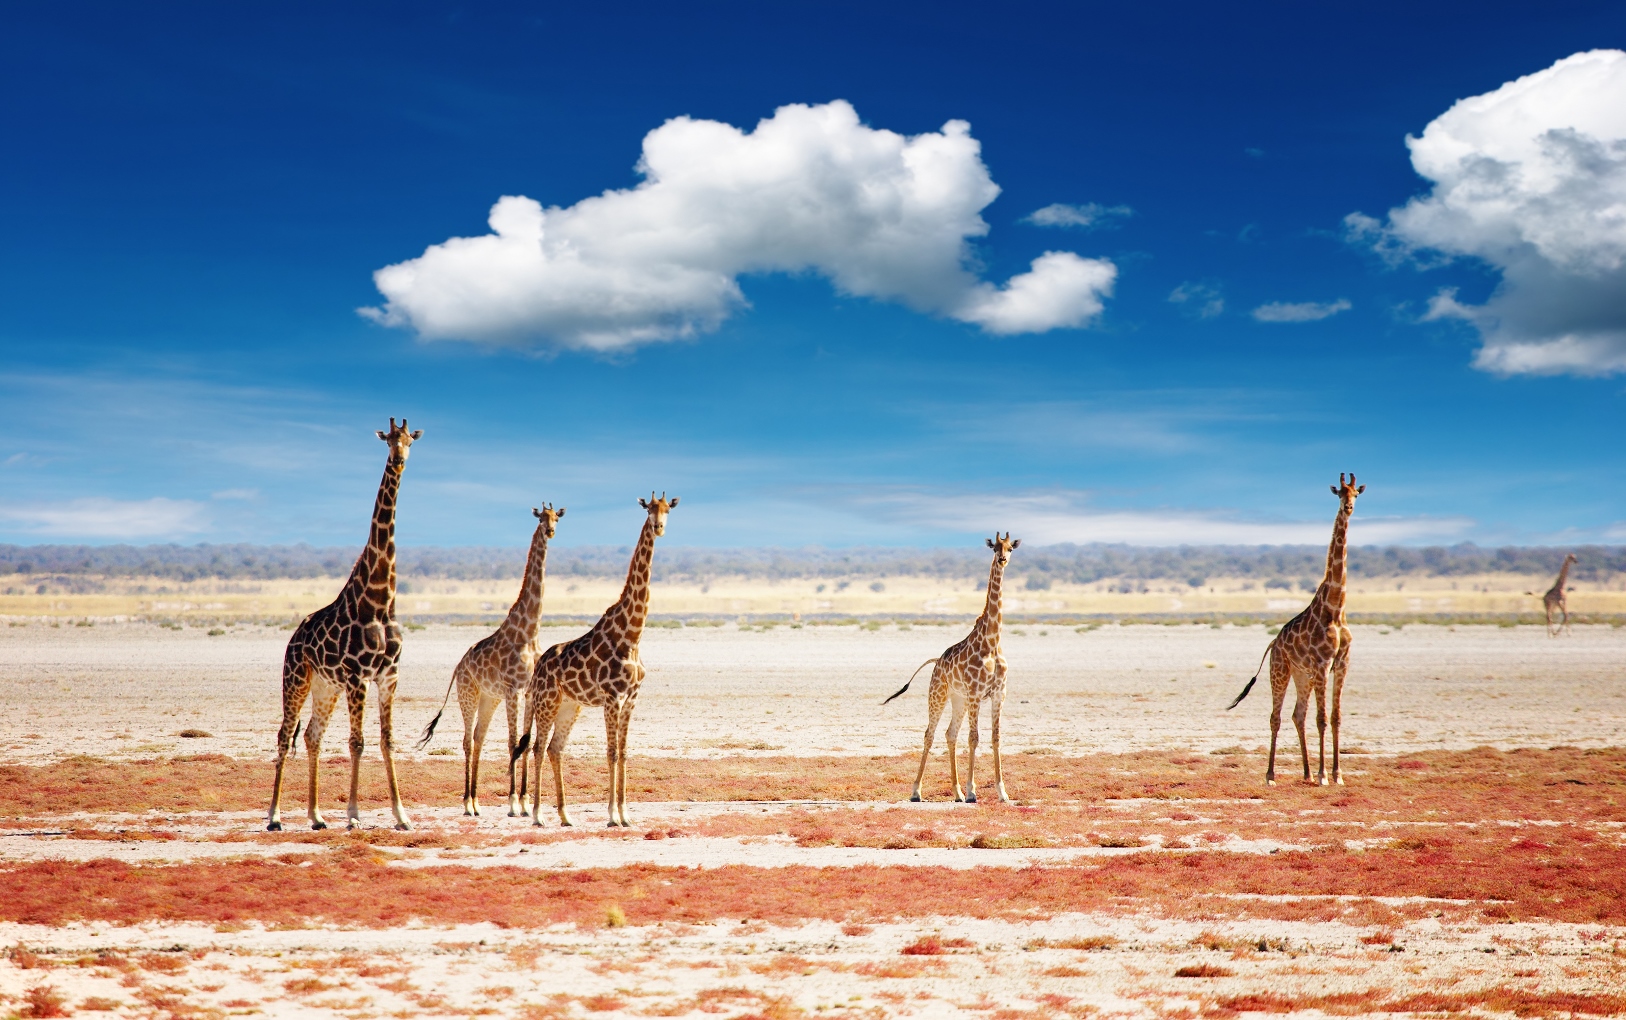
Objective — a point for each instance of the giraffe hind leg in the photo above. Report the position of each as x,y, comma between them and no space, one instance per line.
1279,680
324,696
482,723
936,697
956,714
355,696
296,686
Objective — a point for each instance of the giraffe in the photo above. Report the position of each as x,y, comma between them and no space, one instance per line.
1311,644
967,673
600,669
1556,598
340,647
497,668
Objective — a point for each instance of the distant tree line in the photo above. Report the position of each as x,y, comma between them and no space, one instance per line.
1083,564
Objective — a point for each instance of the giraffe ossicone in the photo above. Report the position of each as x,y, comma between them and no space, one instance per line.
344,646
600,669
496,669
967,673
1312,645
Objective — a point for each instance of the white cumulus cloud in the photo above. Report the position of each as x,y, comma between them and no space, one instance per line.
882,215
1304,311
1530,178
1060,214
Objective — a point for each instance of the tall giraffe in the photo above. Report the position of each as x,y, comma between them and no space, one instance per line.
496,668
1311,644
1556,598
968,672
600,669
344,645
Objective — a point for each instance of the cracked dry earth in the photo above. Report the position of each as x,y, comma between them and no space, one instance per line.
1131,880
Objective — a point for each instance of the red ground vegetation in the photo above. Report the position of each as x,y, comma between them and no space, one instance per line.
1577,882
1497,1000
1453,785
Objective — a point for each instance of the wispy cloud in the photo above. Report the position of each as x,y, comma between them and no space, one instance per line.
1051,517
94,519
1204,300
1087,216
1304,311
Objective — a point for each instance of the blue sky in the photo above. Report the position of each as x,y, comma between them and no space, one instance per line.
195,198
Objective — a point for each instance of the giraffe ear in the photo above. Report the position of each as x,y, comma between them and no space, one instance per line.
384,437
1015,543
990,542
673,503
1360,490
417,434
1334,489
643,502
561,512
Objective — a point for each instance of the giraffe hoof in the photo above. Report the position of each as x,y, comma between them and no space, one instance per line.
318,825
914,798
403,826
274,827
970,798
1270,782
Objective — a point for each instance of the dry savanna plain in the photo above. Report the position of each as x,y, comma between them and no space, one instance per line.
1473,864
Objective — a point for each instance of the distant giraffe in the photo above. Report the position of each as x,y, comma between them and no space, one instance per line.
967,673
1311,644
1556,598
497,668
600,669
346,644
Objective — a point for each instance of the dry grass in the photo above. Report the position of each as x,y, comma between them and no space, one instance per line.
1444,786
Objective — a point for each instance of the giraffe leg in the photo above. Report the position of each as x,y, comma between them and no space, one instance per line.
482,723
999,772
612,752
623,726
562,723
1340,667
935,700
973,720
386,747
468,702
1320,689
1279,679
296,687
956,713
1301,710
355,696
324,696
516,768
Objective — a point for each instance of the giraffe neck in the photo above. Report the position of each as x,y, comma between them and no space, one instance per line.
1563,576
522,618
988,622
1331,593
372,582
625,620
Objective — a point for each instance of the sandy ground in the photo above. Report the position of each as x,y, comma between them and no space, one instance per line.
125,691
128,690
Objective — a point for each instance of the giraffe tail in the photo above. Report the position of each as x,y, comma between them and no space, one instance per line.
1255,679
429,731
912,676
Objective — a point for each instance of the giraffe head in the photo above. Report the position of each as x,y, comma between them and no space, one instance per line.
548,518
1570,558
1346,492
1003,547
658,509
400,441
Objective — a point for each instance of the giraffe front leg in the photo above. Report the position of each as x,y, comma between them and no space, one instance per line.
999,773
624,726
516,763
974,723
1340,668
355,697
1301,711
386,747
562,723
956,714
1321,729
612,754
